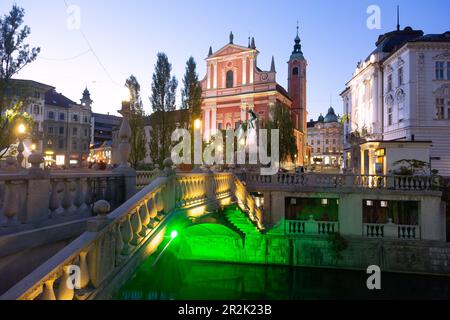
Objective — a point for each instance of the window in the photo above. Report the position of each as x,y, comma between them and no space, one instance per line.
400,76
86,119
50,143
312,142
334,150
448,109
62,117
295,71
439,108
327,150
61,130
448,70
37,94
327,141
318,150
61,144
390,118
219,126
36,110
51,115
74,132
334,141
74,145
439,70
86,132
75,118
389,83
50,130
318,142
230,79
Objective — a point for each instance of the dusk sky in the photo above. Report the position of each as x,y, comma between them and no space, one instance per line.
126,36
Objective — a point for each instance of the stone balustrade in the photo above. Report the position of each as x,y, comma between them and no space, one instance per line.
391,231
31,199
134,229
320,180
310,227
143,178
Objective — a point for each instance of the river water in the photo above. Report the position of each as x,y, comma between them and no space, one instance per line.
172,279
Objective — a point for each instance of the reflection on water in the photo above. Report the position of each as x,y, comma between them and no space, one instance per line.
172,279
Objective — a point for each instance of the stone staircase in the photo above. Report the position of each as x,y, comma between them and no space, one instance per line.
240,221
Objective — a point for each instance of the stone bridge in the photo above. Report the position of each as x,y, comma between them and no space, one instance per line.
116,243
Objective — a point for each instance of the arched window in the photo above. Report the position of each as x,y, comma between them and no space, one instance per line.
230,79
295,71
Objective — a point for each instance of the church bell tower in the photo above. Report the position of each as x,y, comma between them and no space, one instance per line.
297,65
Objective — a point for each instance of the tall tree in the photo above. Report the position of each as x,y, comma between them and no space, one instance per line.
164,87
137,123
15,54
191,95
281,119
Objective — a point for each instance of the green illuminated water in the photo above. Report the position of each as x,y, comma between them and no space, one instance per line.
175,276
172,279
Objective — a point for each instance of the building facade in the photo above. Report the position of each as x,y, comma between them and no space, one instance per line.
102,128
325,142
67,129
401,93
235,85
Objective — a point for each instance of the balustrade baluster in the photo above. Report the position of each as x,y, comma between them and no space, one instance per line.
57,193
67,202
119,243
127,235
79,196
145,218
136,224
66,286
84,270
48,293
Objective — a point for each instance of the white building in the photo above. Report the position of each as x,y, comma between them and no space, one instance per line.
401,93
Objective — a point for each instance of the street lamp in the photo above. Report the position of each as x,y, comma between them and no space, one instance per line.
21,130
197,124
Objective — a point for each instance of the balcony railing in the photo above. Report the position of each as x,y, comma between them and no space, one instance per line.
391,231
310,227
392,182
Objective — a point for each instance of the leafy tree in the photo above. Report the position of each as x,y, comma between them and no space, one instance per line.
163,96
137,123
412,167
191,95
15,54
280,118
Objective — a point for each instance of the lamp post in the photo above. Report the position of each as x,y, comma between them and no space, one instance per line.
21,130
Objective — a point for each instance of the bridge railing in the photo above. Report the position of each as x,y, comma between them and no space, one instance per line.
31,199
137,226
144,178
395,182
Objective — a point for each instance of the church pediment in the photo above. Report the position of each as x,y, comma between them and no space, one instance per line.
229,49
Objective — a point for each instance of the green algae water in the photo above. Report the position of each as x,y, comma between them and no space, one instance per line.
172,279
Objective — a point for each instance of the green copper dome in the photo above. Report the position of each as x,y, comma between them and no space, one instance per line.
331,116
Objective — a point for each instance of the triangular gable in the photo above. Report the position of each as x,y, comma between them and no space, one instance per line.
228,50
